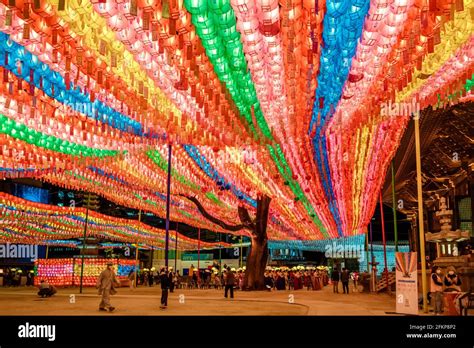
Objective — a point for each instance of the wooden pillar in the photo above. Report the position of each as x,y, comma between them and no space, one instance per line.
420,213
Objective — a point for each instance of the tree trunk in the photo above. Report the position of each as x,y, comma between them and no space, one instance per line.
256,264
258,256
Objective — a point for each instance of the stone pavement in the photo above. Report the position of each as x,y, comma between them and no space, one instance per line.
146,301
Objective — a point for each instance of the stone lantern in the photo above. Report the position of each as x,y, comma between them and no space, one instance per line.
448,253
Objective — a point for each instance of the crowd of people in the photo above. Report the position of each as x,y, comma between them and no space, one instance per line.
168,280
296,279
195,279
230,279
275,278
215,277
149,277
345,277
12,277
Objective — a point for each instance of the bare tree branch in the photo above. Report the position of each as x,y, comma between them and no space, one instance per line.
213,219
246,219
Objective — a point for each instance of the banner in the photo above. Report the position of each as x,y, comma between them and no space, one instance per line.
194,257
407,283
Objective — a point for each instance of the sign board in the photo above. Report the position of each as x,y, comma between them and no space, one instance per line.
407,283
194,257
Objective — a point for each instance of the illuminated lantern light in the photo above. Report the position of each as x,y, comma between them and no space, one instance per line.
253,45
108,225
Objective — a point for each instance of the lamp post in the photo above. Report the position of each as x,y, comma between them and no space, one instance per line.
373,262
420,213
394,202
220,252
176,248
136,251
84,241
241,251
168,187
199,252
367,250
384,242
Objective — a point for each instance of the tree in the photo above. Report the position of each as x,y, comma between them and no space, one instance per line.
258,255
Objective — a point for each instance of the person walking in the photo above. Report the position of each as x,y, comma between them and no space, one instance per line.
335,280
229,283
436,288
213,277
150,277
318,281
345,276
106,285
241,281
355,280
172,279
6,278
131,278
17,278
191,275
165,285
196,278
280,282
297,281
30,281
178,280
307,281
217,281
268,282
291,281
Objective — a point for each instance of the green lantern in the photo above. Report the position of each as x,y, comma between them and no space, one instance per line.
219,6
196,6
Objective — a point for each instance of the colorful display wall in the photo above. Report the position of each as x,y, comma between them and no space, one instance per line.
28,222
67,272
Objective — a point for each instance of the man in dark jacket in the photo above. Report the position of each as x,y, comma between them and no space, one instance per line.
436,289
345,276
268,281
170,277
165,285
150,277
229,283
335,280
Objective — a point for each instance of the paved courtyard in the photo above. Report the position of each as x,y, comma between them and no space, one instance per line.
145,301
